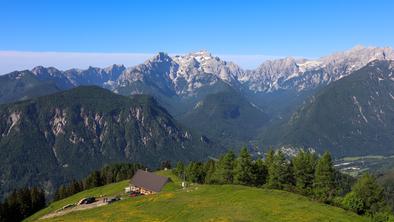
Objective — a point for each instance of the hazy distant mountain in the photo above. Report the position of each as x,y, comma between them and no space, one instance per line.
303,74
352,116
76,77
226,116
21,85
180,83
68,134
24,85
191,75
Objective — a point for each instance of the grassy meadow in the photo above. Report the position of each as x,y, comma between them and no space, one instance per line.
201,203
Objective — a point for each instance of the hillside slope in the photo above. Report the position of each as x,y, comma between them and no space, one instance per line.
352,116
226,116
204,203
48,140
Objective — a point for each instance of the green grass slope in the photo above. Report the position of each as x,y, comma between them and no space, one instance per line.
203,203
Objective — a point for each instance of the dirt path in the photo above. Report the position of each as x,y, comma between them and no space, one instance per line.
98,203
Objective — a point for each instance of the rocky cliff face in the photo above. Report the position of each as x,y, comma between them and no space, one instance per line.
72,133
303,74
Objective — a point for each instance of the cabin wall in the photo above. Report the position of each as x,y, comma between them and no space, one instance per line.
140,190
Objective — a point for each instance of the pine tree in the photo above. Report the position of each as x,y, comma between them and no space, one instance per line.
94,180
209,168
324,187
224,172
62,192
269,158
14,207
24,199
179,170
259,172
195,172
56,195
304,164
37,199
279,172
243,168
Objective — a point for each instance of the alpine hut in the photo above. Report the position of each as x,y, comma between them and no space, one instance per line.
145,183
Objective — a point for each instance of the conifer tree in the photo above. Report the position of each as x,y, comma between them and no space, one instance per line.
304,164
324,187
269,158
209,168
259,172
37,199
224,172
179,169
279,172
24,199
195,172
14,207
243,168
94,180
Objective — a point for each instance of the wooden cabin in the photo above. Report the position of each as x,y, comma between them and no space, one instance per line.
146,183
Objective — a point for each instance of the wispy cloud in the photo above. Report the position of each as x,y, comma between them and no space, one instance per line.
20,60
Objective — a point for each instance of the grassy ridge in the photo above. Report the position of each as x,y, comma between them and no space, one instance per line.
203,203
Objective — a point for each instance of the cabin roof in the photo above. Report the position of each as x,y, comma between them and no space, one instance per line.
148,180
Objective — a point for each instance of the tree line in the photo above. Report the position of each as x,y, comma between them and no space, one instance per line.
21,204
24,202
306,174
109,174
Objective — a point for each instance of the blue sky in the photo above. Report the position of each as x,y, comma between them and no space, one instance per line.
274,28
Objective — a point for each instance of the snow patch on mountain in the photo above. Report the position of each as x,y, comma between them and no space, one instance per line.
184,75
303,74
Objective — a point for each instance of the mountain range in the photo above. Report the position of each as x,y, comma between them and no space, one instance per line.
351,116
190,77
180,83
189,107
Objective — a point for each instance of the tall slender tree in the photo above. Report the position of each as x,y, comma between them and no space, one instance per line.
37,199
24,198
243,168
179,169
269,158
304,164
324,187
224,172
260,172
279,173
210,167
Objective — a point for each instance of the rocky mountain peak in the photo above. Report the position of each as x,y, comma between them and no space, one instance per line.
115,68
201,55
184,74
160,57
41,70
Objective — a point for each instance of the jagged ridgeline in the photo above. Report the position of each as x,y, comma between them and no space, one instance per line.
352,116
50,139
